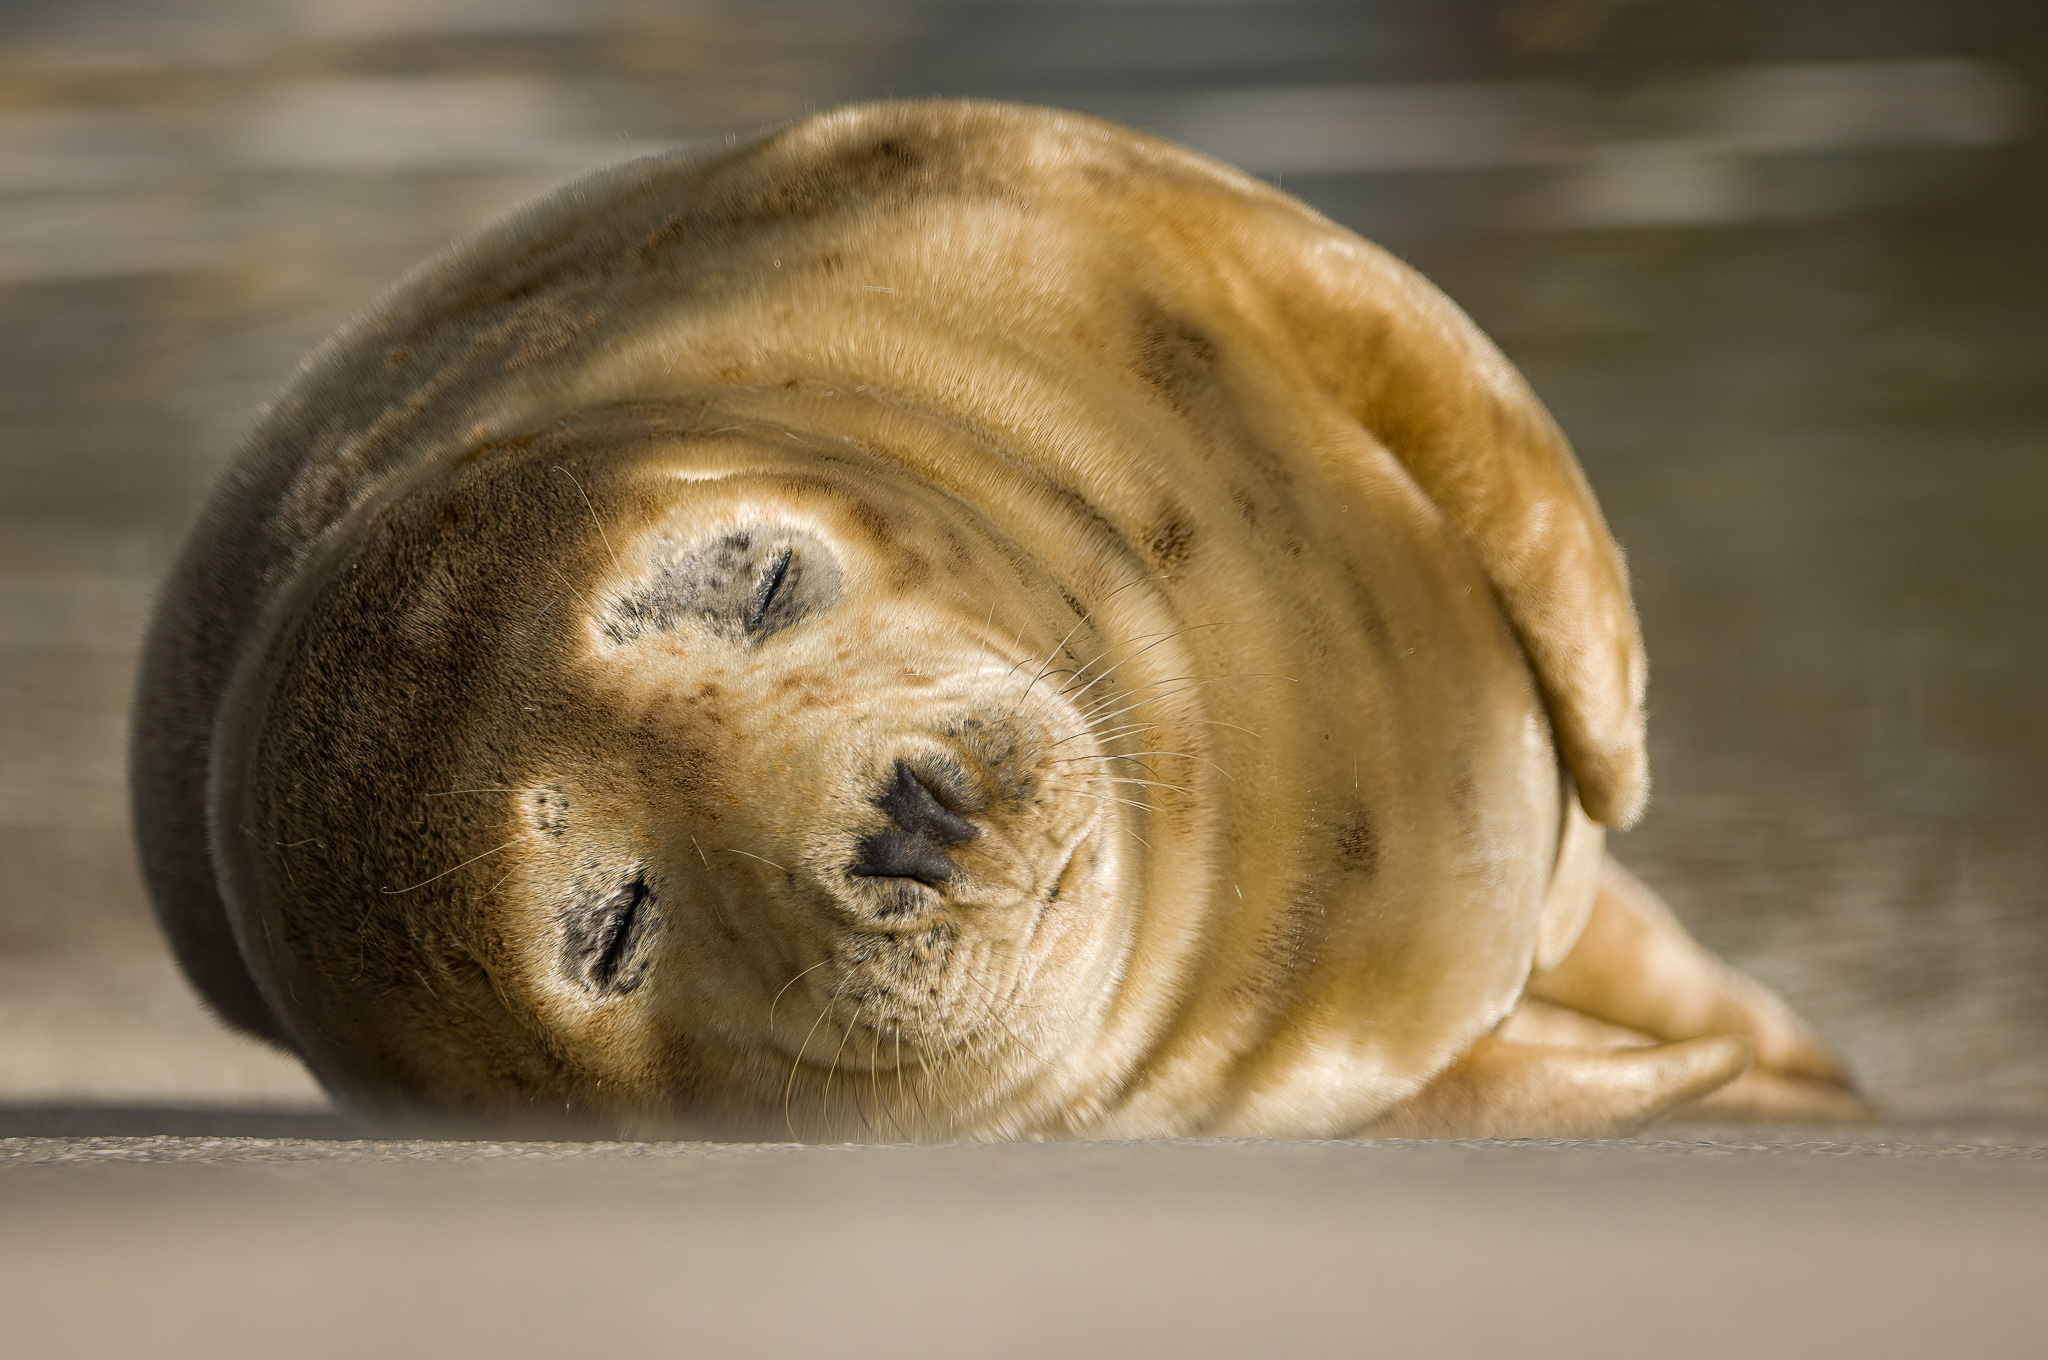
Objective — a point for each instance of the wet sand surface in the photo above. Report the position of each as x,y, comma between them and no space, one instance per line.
1776,269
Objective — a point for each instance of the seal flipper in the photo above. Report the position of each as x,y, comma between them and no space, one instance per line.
1636,976
1433,390
1635,965
1503,1089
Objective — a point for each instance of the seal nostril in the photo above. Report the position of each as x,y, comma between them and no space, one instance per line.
912,806
913,849
901,854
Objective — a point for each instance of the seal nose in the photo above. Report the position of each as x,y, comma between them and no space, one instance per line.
913,847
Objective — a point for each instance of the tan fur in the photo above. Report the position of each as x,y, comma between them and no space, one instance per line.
1241,600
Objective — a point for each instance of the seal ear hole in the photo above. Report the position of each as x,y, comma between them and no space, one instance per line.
605,942
748,585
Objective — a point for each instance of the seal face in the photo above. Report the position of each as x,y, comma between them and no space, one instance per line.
952,620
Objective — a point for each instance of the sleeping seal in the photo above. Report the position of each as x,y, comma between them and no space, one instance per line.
948,621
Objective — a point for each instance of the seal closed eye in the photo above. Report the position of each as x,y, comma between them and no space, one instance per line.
603,942
747,585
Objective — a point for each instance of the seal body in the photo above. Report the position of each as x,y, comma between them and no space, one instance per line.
951,620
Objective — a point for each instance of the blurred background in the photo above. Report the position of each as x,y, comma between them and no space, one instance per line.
1775,264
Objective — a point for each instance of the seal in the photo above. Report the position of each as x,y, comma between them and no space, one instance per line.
950,620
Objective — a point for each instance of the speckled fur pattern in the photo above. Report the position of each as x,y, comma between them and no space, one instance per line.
948,621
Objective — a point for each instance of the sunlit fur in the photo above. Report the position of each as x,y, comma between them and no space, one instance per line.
1229,596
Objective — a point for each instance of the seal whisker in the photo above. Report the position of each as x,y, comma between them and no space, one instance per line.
1050,657
1133,755
846,1029
1147,783
1085,617
1210,680
1109,733
994,1015
1158,641
1128,802
1131,729
1112,798
1130,779
573,587
1161,698
599,524
1128,697
789,1087
875,1081
924,1111
789,984
902,1086
769,862
394,892
1151,640
975,1020
940,1090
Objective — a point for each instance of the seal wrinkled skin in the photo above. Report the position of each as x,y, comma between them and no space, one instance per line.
949,621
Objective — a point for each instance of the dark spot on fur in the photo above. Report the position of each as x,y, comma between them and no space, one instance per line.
1464,790
748,585
511,277
551,810
462,969
1291,943
451,514
841,183
1358,843
1246,507
1170,537
999,747
1367,612
874,522
1176,360
518,443
912,571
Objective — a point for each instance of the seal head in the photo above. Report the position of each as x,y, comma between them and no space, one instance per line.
754,776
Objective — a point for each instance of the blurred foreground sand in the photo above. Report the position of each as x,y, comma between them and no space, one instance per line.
1575,1251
